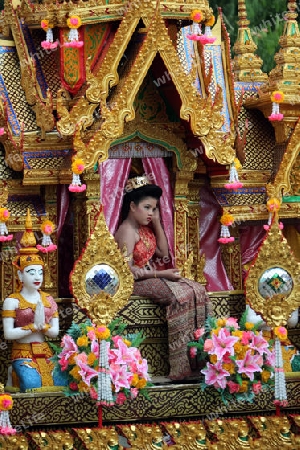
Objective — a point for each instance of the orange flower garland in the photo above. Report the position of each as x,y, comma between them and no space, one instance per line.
4,217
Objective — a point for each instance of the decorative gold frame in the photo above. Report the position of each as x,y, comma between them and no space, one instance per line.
274,252
101,248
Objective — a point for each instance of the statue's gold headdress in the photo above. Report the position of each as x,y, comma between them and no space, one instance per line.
29,254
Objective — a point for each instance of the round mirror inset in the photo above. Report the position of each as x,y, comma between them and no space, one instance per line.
101,278
275,281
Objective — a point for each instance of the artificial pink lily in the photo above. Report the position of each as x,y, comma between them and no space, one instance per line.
259,343
142,369
120,377
69,347
86,372
223,344
124,354
249,365
215,375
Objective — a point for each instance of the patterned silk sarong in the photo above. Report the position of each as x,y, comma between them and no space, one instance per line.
187,306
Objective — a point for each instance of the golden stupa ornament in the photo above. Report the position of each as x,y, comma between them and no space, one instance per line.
101,280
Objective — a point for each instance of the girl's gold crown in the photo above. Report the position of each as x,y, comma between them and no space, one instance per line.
136,182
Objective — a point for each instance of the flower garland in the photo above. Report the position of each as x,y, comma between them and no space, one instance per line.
98,360
74,22
234,182
77,169
239,361
48,44
47,229
226,221
273,206
197,17
6,404
4,217
196,33
276,98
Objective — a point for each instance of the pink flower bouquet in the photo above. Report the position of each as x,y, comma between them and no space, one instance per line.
239,360
77,361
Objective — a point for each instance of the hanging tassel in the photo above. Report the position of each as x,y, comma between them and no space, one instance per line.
280,383
273,206
6,403
74,22
77,169
226,220
276,98
197,17
234,182
48,44
47,229
4,216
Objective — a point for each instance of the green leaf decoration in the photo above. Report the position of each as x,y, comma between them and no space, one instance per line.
136,339
243,319
74,331
210,323
55,348
239,379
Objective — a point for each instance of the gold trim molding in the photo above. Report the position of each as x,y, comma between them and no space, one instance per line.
92,11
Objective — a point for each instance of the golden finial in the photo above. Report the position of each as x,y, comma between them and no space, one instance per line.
1,388
28,254
247,65
28,238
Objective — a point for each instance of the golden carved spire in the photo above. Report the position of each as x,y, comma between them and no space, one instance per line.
285,76
247,65
28,238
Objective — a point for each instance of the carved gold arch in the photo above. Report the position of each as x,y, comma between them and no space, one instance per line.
204,116
156,134
282,183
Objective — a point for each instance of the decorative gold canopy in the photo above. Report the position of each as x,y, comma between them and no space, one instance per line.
101,250
274,253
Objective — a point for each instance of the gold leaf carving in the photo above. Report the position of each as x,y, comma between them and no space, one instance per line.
282,182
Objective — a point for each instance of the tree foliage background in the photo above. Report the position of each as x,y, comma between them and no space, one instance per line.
266,23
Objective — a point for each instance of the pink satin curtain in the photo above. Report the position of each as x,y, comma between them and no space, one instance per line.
113,175
158,173
251,238
214,270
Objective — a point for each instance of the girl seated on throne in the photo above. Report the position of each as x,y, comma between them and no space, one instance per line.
142,238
